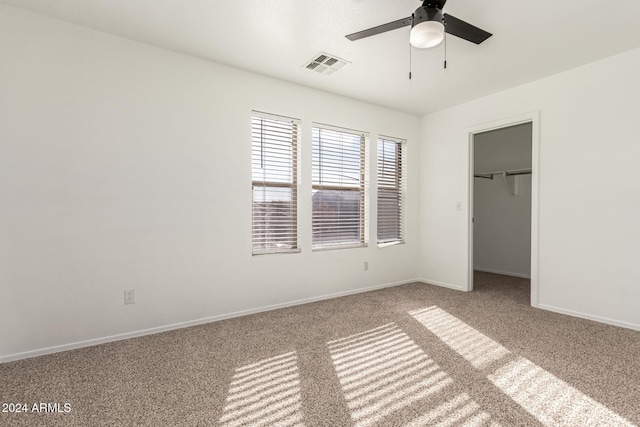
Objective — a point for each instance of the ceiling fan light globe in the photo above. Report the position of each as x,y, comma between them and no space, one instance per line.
427,34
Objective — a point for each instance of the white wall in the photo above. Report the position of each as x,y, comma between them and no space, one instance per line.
502,219
589,186
128,166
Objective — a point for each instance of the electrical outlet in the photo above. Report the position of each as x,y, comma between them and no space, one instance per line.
129,296
366,265
458,206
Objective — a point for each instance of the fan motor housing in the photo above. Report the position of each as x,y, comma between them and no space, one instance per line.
425,13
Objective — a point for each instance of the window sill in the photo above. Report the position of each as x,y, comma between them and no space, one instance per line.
333,248
387,244
276,252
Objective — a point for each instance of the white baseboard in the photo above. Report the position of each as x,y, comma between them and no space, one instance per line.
590,317
504,273
442,284
159,329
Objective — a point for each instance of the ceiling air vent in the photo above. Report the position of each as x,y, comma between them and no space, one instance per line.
325,63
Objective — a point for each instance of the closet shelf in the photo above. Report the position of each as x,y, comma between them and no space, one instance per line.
513,183
489,175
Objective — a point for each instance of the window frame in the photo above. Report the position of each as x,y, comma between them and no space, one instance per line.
293,185
400,181
363,188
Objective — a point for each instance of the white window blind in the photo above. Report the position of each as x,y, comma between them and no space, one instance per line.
391,190
339,187
274,142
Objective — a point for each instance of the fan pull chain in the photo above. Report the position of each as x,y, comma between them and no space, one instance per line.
410,49
445,50
409,61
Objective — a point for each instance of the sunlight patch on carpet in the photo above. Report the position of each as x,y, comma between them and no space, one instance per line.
459,411
265,393
549,399
382,371
476,348
552,401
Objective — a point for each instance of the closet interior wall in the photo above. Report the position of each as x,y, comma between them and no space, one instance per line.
502,205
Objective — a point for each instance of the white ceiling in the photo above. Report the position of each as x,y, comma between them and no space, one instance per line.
532,39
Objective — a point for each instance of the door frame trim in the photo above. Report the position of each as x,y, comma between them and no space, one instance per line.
533,118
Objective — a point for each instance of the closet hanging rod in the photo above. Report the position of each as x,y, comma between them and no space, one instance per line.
489,175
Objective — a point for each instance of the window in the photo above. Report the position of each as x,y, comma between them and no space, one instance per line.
339,188
391,189
274,142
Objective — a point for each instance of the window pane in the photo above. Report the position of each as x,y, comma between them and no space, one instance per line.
337,158
274,217
273,145
336,217
389,216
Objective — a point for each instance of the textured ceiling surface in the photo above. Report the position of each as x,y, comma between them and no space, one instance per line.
531,40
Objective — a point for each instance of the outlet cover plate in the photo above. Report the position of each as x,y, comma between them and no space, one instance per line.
129,296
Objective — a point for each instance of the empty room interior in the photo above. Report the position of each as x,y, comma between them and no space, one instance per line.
336,213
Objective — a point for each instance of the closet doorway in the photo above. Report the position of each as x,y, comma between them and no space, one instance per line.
503,194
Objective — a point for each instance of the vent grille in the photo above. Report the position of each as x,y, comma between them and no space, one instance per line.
325,63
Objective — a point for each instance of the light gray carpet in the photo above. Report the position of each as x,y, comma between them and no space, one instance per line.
405,356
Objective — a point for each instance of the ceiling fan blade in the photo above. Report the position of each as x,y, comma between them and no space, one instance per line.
464,30
380,29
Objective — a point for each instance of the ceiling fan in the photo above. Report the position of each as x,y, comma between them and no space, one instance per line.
428,25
